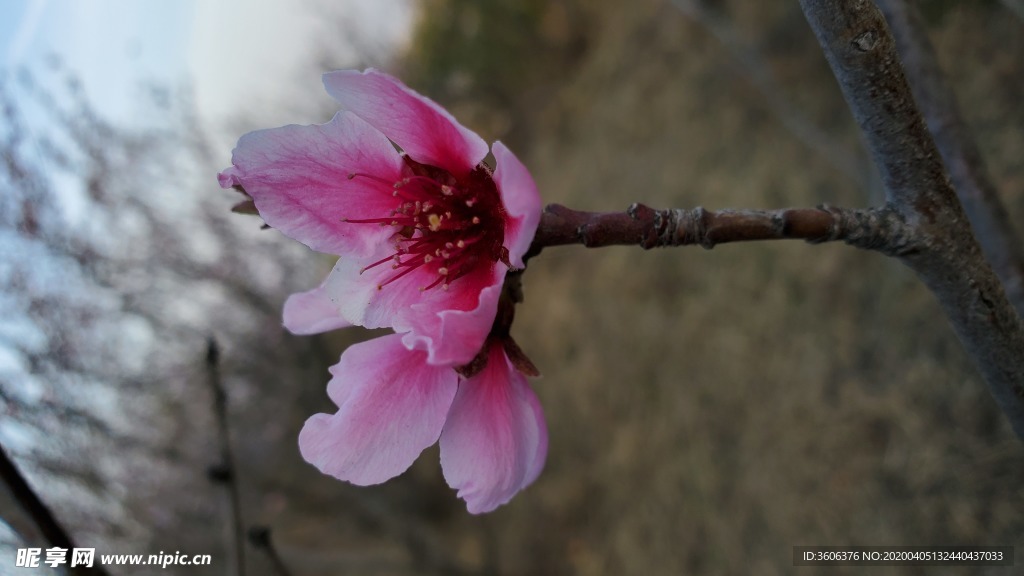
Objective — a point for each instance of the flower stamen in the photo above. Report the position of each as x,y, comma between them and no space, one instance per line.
446,225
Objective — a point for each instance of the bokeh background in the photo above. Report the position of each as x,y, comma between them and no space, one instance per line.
708,410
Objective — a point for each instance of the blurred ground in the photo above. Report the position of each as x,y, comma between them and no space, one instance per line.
709,410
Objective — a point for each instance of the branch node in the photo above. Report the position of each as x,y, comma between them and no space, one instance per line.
690,227
866,41
581,233
650,224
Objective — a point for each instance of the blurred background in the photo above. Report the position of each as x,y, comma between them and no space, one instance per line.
708,410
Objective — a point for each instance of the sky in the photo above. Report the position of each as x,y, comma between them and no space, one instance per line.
112,45
233,53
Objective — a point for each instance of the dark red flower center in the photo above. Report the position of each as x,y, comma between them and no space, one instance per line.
448,226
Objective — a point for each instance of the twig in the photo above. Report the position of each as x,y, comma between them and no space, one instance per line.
877,229
225,471
863,57
259,537
974,187
47,523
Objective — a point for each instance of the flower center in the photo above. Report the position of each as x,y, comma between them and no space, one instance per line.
445,225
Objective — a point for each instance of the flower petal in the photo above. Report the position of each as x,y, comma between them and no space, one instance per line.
391,406
452,331
424,130
363,295
495,441
522,202
450,325
312,312
299,178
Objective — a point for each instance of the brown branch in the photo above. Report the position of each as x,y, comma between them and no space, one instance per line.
876,229
225,470
44,519
863,57
259,537
974,187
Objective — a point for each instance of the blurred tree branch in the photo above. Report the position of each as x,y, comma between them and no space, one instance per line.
1015,6
759,73
260,538
106,291
44,519
225,471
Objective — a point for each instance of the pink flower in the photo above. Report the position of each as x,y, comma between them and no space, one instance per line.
392,404
425,236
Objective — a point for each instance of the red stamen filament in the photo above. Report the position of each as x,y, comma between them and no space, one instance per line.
432,217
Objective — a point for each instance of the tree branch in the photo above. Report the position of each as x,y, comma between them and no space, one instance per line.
879,229
974,187
259,537
225,470
47,523
949,260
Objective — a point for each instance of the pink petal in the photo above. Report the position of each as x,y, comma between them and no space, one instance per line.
391,406
363,298
450,325
453,330
495,441
312,312
522,202
424,130
540,454
298,177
